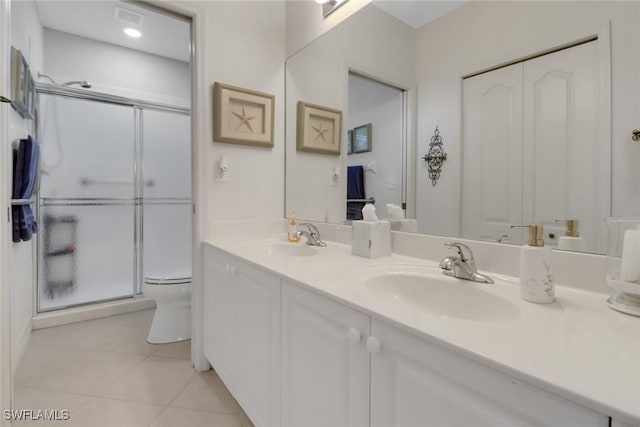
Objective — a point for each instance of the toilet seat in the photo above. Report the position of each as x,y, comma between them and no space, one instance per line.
169,279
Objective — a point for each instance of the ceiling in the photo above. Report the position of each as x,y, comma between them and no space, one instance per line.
162,34
168,36
418,12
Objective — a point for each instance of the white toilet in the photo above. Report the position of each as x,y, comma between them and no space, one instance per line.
172,319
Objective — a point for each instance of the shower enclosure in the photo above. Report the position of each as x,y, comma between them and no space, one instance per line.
115,197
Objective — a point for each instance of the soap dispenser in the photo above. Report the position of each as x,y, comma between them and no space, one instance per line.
293,228
571,241
536,278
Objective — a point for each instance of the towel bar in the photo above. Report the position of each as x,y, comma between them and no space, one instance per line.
371,200
22,202
89,181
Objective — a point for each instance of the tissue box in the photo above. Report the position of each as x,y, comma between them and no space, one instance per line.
371,239
404,225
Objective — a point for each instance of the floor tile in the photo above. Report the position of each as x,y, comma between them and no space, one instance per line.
206,392
157,380
132,340
174,417
27,398
100,412
90,372
181,350
105,373
41,360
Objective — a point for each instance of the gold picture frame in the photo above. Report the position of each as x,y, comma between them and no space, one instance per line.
242,116
319,129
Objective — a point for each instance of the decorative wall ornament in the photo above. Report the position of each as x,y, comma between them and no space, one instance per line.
318,129
435,157
242,116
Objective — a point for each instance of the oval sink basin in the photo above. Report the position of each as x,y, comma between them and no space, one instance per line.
428,289
275,248
291,249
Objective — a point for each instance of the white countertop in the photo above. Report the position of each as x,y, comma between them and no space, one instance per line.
576,347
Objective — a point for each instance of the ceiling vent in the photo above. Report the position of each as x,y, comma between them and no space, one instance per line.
128,17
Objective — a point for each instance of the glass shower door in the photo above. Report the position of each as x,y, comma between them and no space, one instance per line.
166,194
87,204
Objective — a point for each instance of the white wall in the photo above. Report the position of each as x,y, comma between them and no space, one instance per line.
370,42
115,69
480,35
26,35
382,106
245,47
305,22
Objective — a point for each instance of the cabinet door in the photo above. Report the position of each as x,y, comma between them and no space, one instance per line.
415,383
325,365
219,315
257,344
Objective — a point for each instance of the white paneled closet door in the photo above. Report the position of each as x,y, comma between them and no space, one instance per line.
492,155
563,175
533,151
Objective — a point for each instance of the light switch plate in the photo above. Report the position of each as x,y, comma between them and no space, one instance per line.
222,177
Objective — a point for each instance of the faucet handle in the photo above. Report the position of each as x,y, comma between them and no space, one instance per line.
461,248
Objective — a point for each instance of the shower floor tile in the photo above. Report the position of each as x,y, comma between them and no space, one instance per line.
105,374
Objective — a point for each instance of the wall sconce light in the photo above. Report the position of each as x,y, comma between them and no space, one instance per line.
329,6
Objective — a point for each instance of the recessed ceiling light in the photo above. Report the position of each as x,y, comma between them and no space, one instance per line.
132,32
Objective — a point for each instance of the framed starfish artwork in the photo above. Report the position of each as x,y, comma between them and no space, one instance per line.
319,129
242,116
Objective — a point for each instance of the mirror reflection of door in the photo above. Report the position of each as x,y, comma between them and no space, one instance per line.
375,174
531,150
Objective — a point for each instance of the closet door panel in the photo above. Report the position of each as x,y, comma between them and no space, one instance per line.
492,154
563,171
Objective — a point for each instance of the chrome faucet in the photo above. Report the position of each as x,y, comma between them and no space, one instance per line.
311,233
463,267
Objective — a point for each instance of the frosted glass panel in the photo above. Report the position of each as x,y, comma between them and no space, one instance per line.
87,148
87,254
166,148
167,240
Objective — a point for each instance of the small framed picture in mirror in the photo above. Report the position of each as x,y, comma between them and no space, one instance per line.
319,129
362,138
350,142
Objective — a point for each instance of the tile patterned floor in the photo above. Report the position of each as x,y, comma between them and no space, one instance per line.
105,374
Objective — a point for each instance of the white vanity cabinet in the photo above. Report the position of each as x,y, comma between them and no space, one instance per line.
242,333
417,383
294,357
325,364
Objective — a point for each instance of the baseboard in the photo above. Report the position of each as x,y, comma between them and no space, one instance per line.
79,314
20,348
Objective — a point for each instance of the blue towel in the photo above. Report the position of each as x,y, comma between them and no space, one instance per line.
355,190
24,181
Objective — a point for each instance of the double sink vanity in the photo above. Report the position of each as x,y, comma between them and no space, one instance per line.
305,335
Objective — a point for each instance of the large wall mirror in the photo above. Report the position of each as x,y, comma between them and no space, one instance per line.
534,102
